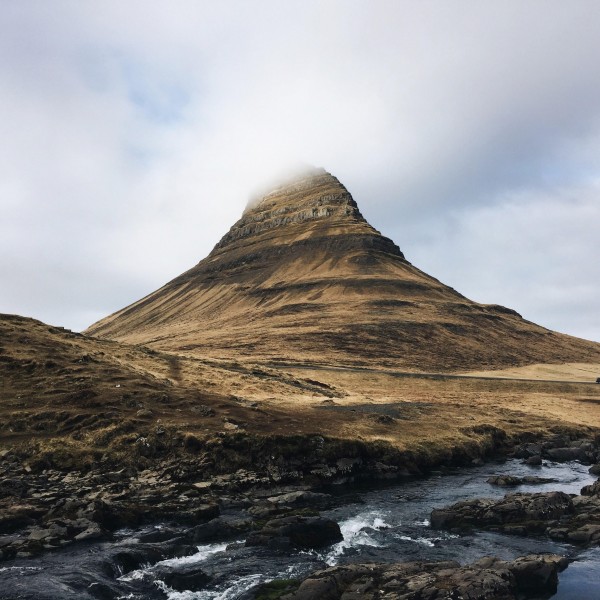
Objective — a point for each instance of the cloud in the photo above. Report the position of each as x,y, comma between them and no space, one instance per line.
531,250
135,134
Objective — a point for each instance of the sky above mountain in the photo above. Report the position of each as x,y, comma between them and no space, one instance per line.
135,132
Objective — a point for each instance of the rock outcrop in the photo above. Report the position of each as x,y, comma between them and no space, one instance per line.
298,532
303,277
565,518
485,579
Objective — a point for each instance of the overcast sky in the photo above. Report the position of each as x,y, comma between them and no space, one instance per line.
134,132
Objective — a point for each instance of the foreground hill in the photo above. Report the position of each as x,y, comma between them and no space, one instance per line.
96,435
302,277
68,399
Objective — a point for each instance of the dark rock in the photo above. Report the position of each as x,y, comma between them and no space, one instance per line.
131,558
555,441
589,532
18,516
591,490
532,512
13,487
537,573
158,535
193,513
533,450
487,579
101,591
301,532
510,481
94,532
573,519
527,451
182,578
272,589
504,480
567,454
594,469
301,498
534,461
216,530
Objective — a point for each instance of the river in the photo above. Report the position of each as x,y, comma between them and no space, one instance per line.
379,524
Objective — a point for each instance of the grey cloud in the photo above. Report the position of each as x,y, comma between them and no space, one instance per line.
135,133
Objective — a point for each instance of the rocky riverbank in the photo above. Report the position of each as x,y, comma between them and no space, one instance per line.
282,532
45,508
563,517
485,579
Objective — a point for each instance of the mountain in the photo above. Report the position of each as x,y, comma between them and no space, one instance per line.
302,277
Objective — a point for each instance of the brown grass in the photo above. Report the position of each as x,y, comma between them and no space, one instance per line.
70,399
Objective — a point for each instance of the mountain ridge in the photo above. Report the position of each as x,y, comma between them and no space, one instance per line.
302,276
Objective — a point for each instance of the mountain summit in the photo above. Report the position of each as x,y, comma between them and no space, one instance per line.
303,277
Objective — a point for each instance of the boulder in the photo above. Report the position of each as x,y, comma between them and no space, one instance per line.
182,578
510,481
567,454
296,531
216,530
301,498
591,490
537,573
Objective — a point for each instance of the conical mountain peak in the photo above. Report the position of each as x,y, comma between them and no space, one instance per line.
313,199
303,277
300,181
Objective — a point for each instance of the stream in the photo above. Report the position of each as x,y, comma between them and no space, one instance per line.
379,524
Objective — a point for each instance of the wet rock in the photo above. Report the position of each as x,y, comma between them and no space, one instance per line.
534,461
566,454
14,487
585,534
487,579
594,469
93,532
131,558
182,578
527,450
510,481
515,513
591,490
217,530
18,516
300,532
301,498
101,591
271,590
533,573
573,519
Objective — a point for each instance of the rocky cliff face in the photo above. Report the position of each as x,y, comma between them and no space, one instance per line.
316,197
303,277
